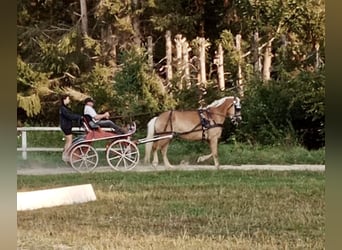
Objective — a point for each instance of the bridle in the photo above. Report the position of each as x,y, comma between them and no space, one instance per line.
236,117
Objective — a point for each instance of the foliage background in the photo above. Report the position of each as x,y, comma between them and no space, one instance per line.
55,55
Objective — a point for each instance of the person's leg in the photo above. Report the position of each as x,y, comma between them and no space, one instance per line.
68,141
110,124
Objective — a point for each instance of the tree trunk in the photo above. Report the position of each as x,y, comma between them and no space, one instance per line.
239,73
256,55
220,70
185,53
84,17
168,57
150,52
136,24
178,42
318,59
181,62
266,72
112,52
203,78
109,43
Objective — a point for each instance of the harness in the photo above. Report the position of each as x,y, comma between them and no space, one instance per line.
206,119
206,122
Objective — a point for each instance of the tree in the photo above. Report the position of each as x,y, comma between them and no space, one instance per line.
137,90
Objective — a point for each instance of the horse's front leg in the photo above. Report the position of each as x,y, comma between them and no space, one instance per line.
213,148
164,153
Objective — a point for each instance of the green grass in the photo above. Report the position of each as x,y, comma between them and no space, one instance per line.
181,210
183,151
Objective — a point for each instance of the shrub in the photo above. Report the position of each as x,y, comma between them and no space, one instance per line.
285,112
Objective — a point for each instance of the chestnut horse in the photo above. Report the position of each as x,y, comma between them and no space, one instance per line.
202,124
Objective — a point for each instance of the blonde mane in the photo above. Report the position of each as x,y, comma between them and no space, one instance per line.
217,103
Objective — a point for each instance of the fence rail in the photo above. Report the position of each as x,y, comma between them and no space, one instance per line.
24,143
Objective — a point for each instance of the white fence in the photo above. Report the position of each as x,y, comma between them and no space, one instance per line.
24,143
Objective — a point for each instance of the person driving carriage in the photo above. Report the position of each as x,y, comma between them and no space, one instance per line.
101,119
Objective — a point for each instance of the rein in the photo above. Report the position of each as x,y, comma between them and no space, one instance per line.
204,124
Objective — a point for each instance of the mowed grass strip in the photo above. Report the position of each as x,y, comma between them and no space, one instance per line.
181,210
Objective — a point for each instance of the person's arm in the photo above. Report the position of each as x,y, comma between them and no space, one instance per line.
102,116
69,115
91,111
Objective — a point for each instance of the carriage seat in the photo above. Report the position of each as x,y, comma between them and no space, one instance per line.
89,124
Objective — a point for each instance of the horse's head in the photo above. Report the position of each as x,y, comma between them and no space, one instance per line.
228,107
235,111
237,118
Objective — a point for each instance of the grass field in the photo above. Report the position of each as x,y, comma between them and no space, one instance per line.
180,210
184,151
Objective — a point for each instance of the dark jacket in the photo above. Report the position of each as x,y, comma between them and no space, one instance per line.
66,117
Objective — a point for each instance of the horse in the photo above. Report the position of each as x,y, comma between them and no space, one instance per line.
192,125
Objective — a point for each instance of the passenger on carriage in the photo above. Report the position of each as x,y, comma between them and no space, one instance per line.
67,117
100,119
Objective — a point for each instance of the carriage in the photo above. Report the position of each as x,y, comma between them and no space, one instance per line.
122,152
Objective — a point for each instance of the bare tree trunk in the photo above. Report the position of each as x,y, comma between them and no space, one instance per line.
150,52
136,24
203,78
112,52
182,58
178,42
220,70
84,17
318,59
283,45
256,55
266,72
109,43
168,57
239,73
185,53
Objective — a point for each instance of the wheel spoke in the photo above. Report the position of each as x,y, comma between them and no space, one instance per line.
122,155
84,158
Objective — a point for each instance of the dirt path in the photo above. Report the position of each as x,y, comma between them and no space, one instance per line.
142,168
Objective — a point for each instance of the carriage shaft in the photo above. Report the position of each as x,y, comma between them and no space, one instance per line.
156,138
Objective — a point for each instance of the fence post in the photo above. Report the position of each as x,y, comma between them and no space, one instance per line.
24,144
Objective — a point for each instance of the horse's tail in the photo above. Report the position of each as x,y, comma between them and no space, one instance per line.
150,134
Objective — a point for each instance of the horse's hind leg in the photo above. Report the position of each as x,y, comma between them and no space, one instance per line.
204,157
155,149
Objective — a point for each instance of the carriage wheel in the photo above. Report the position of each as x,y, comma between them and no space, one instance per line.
122,155
83,158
